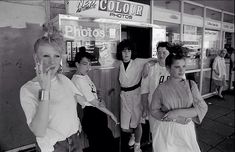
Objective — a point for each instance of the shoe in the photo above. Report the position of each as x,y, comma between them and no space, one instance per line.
137,148
221,97
132,140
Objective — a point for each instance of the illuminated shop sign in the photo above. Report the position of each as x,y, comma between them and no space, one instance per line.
114,9
84,30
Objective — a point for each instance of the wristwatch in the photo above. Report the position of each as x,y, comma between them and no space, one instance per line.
43,95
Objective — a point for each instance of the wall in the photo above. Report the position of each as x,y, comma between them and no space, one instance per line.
20,26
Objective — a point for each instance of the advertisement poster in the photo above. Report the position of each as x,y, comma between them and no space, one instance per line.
99,39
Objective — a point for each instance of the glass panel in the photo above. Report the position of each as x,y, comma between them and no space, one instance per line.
195,76
207,83
211,47
228,40
213,14
172,31
192,39
193,9
168,4
228,18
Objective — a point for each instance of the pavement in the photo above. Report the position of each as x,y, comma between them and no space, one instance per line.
216,132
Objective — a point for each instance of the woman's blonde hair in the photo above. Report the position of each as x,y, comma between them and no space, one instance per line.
52,37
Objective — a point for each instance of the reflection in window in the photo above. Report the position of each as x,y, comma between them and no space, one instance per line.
211,47
192,39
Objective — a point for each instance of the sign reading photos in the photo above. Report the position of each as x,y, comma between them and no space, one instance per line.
92,31
113,9
98,39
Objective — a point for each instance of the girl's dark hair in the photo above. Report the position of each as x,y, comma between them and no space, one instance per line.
82,54
163,44
125,44
177,52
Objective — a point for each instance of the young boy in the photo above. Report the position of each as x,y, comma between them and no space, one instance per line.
94,121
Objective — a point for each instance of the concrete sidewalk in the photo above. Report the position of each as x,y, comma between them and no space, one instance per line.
216,133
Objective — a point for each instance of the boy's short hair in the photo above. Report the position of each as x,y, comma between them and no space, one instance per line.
163,44
81,54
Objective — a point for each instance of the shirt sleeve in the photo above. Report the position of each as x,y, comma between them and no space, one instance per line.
156,104
29,103
84,88
199,104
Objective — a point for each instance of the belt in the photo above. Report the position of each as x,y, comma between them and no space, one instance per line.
125,89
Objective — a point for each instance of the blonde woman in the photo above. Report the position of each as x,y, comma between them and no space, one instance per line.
49,101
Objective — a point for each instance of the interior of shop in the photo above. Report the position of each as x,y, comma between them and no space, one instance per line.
141,36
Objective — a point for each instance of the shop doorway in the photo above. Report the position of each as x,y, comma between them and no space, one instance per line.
141,36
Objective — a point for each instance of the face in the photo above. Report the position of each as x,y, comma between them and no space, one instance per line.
162,53
49,57
126,55
223,53
177,69
84,66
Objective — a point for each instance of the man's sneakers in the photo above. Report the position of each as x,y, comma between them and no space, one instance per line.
132,140
137,148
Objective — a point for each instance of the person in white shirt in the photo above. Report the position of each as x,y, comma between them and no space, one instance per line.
49,101
157,75
130,76
94,121
219,72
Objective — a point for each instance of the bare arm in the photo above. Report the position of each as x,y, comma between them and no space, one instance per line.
155,107
39,123
144,100
101,106
40,120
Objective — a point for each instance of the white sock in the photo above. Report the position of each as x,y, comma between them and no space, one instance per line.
137,144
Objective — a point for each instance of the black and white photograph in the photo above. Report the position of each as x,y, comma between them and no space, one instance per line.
117,76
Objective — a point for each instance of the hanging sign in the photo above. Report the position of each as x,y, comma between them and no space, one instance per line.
228,27
113,9
212,24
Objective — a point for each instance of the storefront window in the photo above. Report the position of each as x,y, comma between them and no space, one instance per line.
207,83
193,9
228,18
192,39
214,15
168,4
172,31
211,46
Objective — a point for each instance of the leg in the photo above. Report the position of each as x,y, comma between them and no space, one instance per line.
220,91
124,141
138,133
